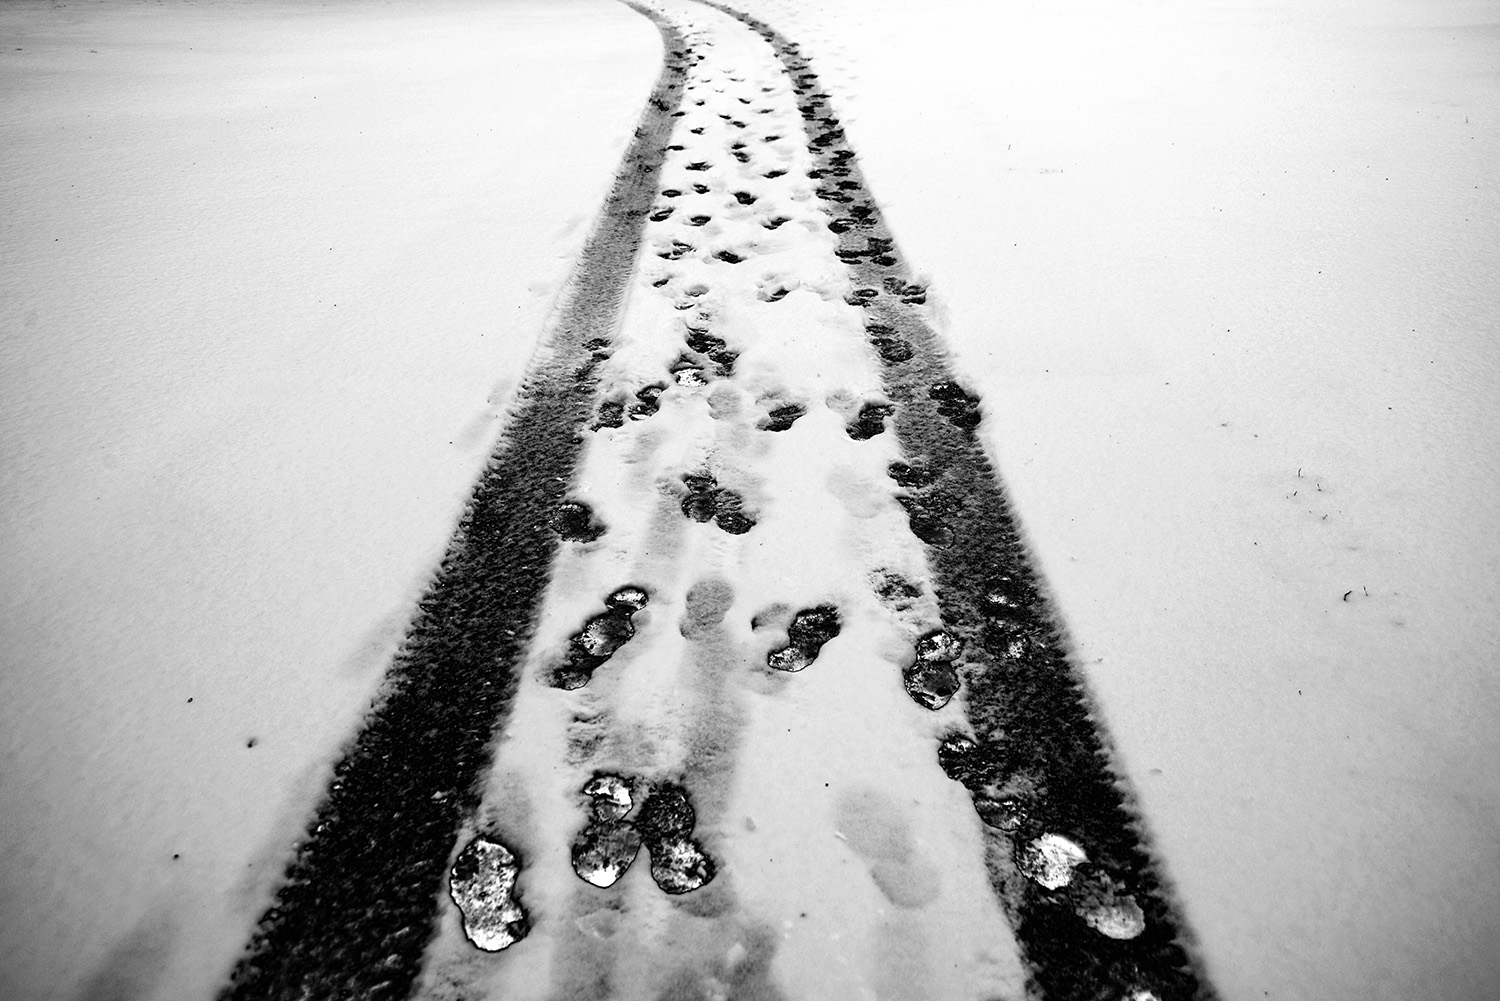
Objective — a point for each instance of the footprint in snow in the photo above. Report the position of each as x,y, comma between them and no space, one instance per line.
892,348
782,417
575,521
599,638
960,406
928,516
895,591
482,884
678,863
912,476
608,843
688,373
809,630
870,420
932,680
707,501
713,349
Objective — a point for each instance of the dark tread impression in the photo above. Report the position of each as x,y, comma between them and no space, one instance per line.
707,501
782,418
358,902
575,521
1035,759
870,421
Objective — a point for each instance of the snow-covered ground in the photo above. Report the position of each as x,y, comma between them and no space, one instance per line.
1227,276
271,272
1230,279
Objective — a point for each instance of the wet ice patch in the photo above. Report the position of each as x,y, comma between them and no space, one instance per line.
482,884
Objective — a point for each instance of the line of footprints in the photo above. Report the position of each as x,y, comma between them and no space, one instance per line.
626,814
483,878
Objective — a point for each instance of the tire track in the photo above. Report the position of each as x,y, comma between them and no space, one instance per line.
1035,758
671,502
739,473
357,904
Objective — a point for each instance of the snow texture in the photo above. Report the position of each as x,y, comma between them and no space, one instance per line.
1226,277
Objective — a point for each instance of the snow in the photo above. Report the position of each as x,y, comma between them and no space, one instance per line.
846,861
1224,274
1230,294
270,274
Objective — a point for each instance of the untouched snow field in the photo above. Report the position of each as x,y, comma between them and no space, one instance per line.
1226,275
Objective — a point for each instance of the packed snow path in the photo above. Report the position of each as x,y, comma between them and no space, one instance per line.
735,681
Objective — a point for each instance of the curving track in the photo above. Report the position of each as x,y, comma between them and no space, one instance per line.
739,574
